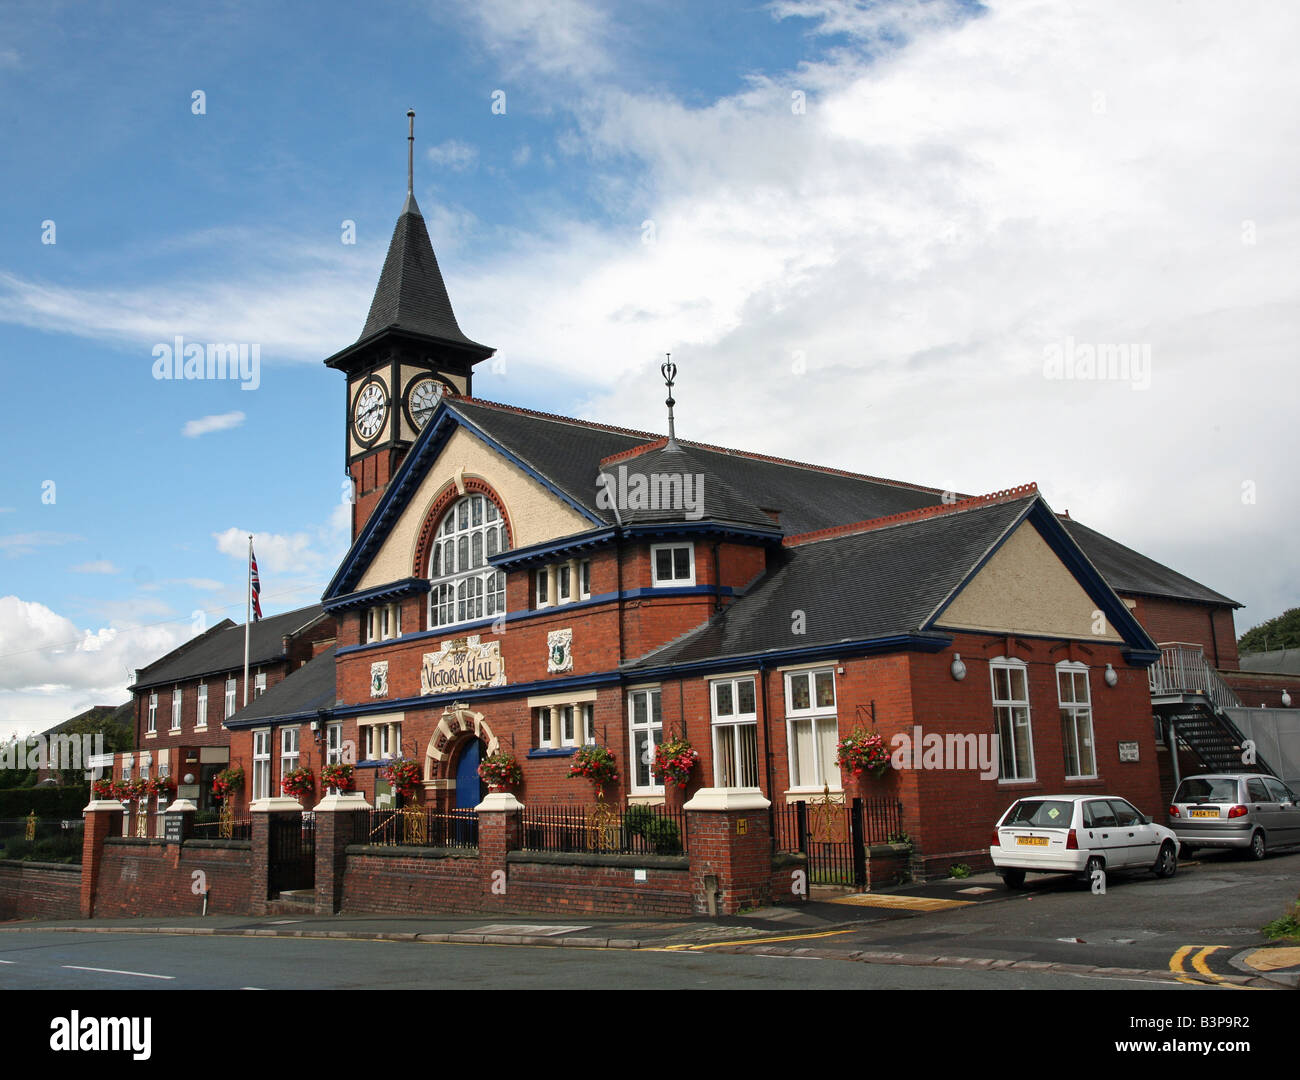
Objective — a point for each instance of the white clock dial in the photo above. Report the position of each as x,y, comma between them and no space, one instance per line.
423,399
369,412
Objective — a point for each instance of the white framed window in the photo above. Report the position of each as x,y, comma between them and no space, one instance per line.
735,732
465,587
128,762
558,725
176,708
334,748
380,741
1075,700
543,576
646,729
230,698
289,754
1010,680
259,684
672,564
812,723
384,622
262,763
584,578
201,717
151,724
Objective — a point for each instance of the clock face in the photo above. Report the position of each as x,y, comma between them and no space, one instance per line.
369,411
423,398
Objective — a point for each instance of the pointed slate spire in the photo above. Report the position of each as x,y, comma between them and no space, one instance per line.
411,294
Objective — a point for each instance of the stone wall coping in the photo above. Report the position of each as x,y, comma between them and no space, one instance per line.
593,858
496,801
334,803
181,806
103,804
275,805
728,799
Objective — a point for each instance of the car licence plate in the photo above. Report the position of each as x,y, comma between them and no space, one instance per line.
1205,813
1032,841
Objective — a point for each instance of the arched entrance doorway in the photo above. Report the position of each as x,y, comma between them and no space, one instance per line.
470,789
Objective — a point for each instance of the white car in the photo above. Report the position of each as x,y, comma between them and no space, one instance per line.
1079,834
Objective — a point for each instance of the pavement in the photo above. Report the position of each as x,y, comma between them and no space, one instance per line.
821,927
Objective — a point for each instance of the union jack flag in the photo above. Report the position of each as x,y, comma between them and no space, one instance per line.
256,585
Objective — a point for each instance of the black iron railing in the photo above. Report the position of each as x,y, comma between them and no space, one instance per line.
423,826
635,830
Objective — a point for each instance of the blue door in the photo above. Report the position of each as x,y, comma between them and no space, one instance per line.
469,788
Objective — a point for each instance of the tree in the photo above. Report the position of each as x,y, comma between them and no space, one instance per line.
1280,632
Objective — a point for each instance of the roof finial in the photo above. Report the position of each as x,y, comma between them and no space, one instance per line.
669,371
410,152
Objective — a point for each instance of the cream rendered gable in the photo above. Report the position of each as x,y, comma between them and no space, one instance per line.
535,514
1025,589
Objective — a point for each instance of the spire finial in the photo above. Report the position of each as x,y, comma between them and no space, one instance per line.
669,371
410,151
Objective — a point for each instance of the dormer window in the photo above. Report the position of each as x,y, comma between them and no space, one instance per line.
465,586
672,564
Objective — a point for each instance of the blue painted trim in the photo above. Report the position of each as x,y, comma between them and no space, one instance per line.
1076,562
918,641
411,586
703,528
574,682
1141,657
517,557
301,717
412,471
679,590
564,751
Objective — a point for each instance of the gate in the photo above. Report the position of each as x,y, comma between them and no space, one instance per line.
291,860
834,836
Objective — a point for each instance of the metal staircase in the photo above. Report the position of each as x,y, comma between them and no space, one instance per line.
1190,698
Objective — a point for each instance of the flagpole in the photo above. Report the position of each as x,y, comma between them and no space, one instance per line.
248,612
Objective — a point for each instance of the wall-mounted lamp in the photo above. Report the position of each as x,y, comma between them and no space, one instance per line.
958,669
189,778
1111,676
1286,700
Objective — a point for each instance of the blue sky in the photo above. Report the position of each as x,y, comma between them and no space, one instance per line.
860,228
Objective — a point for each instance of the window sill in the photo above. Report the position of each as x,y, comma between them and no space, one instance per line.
151,734
548,751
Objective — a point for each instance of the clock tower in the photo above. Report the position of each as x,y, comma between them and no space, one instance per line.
411,351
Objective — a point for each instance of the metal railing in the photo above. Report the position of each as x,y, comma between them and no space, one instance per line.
1183,669
42,839
604,829
235,829
423,826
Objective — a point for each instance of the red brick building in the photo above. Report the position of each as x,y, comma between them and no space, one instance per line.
531,583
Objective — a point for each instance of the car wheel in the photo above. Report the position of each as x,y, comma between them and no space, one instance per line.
1013,879
1258,845
1167,861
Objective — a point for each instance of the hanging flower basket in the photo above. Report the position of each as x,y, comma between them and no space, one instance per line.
404,774
227,783
674,761
135,789
104,789
338,775
162,786
597,764
500,771
298,783
862,752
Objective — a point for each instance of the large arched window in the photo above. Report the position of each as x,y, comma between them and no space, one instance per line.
465,587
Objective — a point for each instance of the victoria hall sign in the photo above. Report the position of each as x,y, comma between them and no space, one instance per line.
462,664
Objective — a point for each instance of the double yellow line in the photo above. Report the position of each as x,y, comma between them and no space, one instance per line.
1200,965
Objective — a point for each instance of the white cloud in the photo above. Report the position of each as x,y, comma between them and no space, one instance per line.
16,544
95,566
205,424
454,155
565,38
51,668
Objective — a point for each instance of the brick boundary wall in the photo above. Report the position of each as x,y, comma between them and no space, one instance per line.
36,890
151,877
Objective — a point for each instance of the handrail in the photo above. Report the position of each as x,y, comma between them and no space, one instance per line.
1183,669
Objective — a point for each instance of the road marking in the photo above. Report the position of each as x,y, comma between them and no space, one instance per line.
1273,959
750,941
906,903
115,971
8,961
1201,965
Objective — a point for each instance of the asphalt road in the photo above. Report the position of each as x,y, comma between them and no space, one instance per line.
65,961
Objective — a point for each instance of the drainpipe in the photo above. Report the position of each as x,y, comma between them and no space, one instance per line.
717,580
1173,752
767,733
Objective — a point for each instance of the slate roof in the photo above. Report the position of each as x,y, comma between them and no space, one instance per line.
1129,571
411,294
871,584
301,692
222,648
806,497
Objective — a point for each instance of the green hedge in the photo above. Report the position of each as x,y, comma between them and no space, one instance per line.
48,802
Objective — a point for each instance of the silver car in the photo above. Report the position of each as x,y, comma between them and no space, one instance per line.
1251,811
